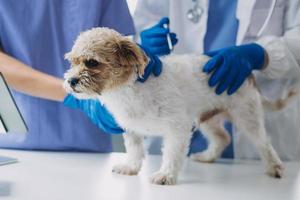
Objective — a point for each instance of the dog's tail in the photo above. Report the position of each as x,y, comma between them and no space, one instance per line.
279,104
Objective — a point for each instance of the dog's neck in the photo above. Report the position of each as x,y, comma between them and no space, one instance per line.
119,100
121,95
120,89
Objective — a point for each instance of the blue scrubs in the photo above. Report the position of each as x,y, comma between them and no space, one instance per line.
39,33
222,26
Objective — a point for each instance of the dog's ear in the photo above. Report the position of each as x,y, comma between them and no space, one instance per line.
71,58
131,55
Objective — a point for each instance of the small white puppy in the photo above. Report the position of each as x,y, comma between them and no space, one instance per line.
106,65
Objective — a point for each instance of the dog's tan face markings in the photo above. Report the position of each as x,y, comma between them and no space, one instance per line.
102,59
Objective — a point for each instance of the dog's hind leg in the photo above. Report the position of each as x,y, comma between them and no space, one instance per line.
135,155
248,119
174,151
217,137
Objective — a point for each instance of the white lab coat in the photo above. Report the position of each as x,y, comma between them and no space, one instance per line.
281,39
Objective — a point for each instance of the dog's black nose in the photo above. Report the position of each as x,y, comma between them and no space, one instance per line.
73,81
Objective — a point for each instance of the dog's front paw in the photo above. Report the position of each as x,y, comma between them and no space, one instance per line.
161,178
126,169
276,171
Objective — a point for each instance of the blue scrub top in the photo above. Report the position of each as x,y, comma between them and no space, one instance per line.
222,25
39,33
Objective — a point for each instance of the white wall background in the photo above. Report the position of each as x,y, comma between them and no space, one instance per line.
131,5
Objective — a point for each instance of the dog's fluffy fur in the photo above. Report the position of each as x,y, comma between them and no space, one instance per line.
168,106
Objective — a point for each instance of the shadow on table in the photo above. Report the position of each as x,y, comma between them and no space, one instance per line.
5,188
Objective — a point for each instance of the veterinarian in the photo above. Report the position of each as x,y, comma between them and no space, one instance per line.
34,36
262,37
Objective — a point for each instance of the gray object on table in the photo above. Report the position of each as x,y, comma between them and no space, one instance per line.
11,119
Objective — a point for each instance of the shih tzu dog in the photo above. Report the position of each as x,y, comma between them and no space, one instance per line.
106,65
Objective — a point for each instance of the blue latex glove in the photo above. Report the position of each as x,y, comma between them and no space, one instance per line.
231,66
155,38
96,112
154,66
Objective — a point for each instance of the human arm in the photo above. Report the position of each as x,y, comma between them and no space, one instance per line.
24,79
32,82
27,80
283,55
284,51
281,44
273,57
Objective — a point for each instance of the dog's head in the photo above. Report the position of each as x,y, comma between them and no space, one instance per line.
102,59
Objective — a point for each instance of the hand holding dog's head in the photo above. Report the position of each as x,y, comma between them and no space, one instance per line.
102,59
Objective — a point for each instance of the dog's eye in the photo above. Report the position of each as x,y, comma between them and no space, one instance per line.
91,63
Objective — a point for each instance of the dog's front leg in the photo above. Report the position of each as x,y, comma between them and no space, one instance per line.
174,152
135,155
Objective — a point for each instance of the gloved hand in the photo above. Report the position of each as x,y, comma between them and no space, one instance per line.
155,38
231,66
154,66
96,112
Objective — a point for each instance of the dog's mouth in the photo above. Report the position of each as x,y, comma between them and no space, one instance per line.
79,93
70,89
76,91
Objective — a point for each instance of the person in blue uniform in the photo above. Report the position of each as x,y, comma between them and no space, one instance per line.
34,36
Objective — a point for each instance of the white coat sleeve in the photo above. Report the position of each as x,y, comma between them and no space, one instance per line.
149,12
284,52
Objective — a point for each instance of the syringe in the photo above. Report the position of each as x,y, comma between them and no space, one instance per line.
168,38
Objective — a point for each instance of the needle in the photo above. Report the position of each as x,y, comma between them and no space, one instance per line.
168,38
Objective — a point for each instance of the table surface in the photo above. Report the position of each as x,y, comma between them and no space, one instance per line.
87,176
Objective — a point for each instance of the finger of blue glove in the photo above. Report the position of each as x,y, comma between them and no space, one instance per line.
161,50
162,40
147,71
227,80
212,53
218,74
145,75
155,32
164,20
158,66
157,41
174,39
212,64
237,83
154,66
